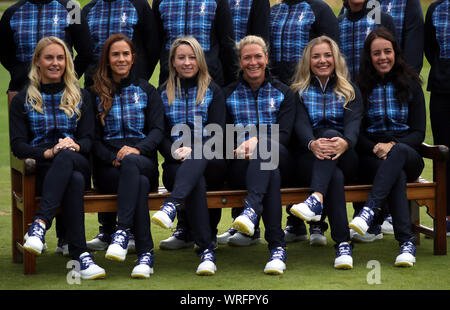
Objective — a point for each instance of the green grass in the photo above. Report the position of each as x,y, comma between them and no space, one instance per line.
309,268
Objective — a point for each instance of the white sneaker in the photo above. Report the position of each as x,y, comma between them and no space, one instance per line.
406,258
372,234
99,243
223,238
207,265
173,243
308,210
88,269
62,248
35,238
317,234
118,248
291,235
144,266
166,215
277,262
246,222
344,258
131,243
25,238
386,227
240,239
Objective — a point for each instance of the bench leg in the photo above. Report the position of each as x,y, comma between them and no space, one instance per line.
414,209
17,233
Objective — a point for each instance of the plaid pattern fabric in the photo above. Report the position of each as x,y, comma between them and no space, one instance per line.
188,17
352,36
325,109
240,10
184,110
289,27
441,21
32,22
395,8
385,112
248,110
126,119
106,18
53,123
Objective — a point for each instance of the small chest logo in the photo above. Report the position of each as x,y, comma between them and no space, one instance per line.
301,18
203,8
272,104
55,20
237,3
123,19
389,8
136,98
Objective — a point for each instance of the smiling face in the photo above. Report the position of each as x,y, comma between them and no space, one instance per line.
121,60
51,63
253,63
322,61
185,62
382,55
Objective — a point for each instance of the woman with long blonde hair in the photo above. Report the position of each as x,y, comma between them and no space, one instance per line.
191,100
327,128
51,121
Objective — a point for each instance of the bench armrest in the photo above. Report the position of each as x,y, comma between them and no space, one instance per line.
26,167
434,152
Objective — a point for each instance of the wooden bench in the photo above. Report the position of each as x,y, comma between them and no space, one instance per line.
431,194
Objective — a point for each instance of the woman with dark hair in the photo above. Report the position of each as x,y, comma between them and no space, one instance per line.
393,128
193,103
51,121
327,128
129,127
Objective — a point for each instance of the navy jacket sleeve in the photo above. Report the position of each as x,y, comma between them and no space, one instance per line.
225,33
303,127
352,118
388,22
154,121
326,22
84,135
259,19
286,116
99,148
413,35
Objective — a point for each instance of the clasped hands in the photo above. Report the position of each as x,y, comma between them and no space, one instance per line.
382,149
66,143
328,148
123,152
246,149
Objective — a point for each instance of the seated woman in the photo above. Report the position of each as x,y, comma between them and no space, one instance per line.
192,101
51,121
393,128
327,127
255,101
129,127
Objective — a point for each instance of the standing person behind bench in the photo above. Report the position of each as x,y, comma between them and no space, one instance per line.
327,127
393,128
135,19
191,101
437,51
250,17
51,121
129,127
209,22
27,21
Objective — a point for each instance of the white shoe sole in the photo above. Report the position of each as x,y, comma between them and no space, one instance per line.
172,243
141,274
275,267
344,262
405,260
366,238
288,237
244,225
206,269
116,253
162,219
94,277
34,245
223,238
97,245
302,211
317,240
359,225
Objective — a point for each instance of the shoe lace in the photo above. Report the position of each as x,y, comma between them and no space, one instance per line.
120,238
37,230
86,261
145,259
179,233
278,253
344,249
314,204
315,229
408,247
250,213
208,255
366,214
170,209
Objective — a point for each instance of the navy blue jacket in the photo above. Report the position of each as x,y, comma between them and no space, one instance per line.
250,17
437,46
133,18
135,119
293,23
210,22
26,22
32,133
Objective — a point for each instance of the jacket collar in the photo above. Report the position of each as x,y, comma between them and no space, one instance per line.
52,88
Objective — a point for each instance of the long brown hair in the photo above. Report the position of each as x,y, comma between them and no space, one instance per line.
104,85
